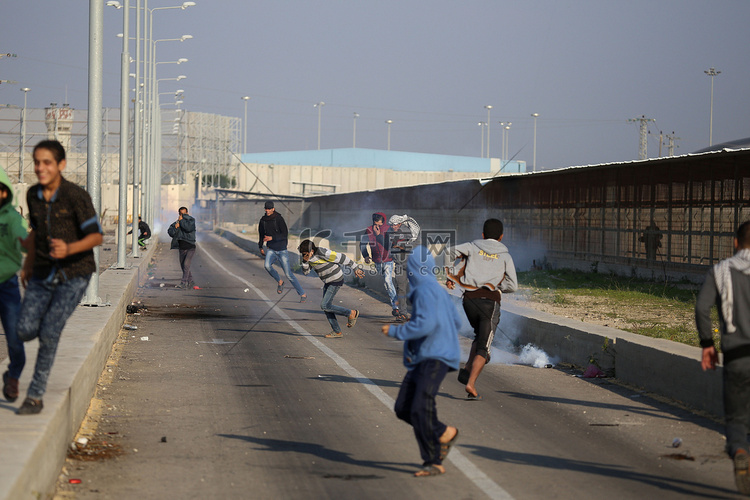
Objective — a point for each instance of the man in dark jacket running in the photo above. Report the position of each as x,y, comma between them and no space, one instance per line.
182,232
273,233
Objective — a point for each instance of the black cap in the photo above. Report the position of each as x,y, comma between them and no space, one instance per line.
269,204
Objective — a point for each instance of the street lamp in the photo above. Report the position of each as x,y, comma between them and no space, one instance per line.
244,143
481,151
507,139
488,107
533,167
320,107
504,149
25,91
712,73
354,136
389,122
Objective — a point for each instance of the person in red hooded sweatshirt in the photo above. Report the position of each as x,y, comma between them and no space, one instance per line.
376,240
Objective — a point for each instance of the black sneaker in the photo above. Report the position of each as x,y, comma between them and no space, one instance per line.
30,406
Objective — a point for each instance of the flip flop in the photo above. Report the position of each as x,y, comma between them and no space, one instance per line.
463,376
428,470
353,321
303,298
471,397
445,448
280,287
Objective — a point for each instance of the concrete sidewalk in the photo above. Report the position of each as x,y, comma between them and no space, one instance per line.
33,448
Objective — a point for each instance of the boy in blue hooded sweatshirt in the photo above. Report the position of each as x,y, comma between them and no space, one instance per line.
431,350
12,229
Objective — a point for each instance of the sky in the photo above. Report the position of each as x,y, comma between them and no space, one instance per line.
430,66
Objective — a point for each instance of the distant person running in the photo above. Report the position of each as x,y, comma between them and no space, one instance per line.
431,350
486,272
727,286
327,265
376,240
144,232
273,233
182,232
12,231
403,237
64,230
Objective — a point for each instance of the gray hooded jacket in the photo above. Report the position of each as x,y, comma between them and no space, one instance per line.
484,264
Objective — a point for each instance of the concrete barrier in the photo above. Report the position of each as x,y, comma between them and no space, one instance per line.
33,448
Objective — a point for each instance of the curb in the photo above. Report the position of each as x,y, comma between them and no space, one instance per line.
33,448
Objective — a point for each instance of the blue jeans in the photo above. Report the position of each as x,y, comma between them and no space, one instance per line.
415,405
283,257
10,308
45,310
385,269
186,258
331,309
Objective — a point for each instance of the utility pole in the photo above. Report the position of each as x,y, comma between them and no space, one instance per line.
642,154
670,143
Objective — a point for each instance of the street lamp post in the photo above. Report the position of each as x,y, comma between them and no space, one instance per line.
244,143
535,116
354,133
488,107
320,107
389,122
712,73
25,91
481,128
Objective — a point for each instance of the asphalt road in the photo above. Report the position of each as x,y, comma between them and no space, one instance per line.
231,391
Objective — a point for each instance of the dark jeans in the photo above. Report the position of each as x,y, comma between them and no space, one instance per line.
45,310
331,309
736,375
401,281
10,308
415,405
186,258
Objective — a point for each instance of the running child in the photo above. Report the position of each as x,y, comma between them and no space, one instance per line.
327,265
431,350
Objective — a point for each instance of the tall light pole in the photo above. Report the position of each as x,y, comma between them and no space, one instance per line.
712,73
25,91
354,133
389,123
122,209
505,127
244,144
535,116
507,139
320,107
481,150
488,107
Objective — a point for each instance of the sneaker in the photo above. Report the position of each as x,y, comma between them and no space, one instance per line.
334,335
191,284
10,387
182,286
742,471
30,406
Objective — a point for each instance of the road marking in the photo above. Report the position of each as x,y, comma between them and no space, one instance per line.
471,471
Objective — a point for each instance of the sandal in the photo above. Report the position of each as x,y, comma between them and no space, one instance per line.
353,321
445,448
280,287
303,298
429,470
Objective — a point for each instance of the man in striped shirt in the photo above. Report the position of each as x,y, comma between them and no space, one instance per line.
327,265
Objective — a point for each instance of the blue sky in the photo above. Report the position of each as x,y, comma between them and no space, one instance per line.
430,66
